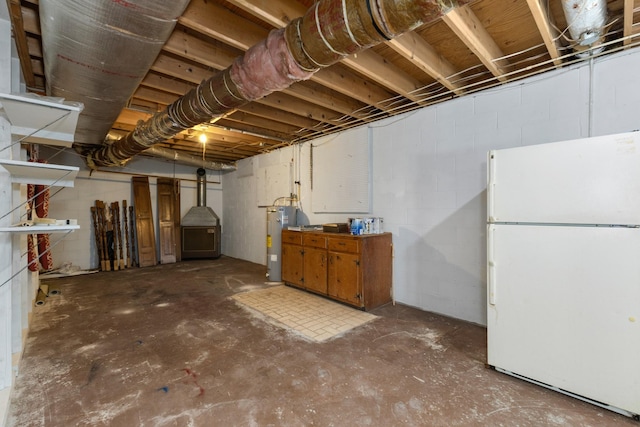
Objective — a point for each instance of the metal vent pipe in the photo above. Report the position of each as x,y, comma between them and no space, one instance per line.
201,179
329,31
188,159
586,21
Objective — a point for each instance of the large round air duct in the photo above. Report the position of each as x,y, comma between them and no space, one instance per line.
328,32
586,21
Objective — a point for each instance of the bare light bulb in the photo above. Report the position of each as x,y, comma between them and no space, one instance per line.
202,138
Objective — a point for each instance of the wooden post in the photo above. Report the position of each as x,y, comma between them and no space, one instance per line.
126,232
98,236
101,208
134,255
118,229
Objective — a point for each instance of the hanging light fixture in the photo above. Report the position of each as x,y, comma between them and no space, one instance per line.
202,138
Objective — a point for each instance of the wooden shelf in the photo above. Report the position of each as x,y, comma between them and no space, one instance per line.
40,229
40,173
41,120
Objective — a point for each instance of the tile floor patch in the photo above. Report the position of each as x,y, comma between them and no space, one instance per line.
310,315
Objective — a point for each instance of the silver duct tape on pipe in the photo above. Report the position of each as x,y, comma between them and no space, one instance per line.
329,31
187,159
97,52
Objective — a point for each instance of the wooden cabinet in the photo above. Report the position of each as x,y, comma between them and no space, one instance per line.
315,262
352,269
344,278
292,259
315,270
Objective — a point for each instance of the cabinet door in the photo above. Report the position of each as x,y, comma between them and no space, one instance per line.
344,277
315,270
292,265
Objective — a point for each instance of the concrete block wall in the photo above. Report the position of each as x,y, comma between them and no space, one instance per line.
429,175
616,94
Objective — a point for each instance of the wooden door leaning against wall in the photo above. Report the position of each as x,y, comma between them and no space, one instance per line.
144,222
168,216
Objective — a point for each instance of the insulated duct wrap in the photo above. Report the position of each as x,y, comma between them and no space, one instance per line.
97,52
329,31
266,67
586,21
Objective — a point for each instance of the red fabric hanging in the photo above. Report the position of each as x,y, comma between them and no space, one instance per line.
38,202
42,210
31,249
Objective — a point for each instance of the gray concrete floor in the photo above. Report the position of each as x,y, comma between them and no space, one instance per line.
166,346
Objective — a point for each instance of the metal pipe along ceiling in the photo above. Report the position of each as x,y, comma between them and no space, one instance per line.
329,31
97,52
188,159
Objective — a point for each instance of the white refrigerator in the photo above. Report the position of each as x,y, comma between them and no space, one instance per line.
563,267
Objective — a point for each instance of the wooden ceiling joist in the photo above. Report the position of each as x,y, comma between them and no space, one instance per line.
414,48
278,14
348,83
30,19
22,46
466,25
547,31
279,115
221,24
166,83
629,11
253,130
373,66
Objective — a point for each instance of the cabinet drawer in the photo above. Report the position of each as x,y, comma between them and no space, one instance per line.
314,241
344,245
293,237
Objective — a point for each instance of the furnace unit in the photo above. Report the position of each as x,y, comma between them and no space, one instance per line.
200,227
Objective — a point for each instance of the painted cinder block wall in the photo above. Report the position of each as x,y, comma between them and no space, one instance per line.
429,175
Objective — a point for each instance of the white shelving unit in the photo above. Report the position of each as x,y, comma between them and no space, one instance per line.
40,119
40,229
42,174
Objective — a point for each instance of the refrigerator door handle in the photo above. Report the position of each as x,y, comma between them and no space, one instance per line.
491,267
491,182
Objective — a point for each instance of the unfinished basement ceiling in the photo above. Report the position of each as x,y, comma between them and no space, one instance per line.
474,47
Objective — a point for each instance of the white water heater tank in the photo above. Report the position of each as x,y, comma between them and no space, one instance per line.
278,217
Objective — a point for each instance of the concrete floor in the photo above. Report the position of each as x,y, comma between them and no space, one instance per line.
167,346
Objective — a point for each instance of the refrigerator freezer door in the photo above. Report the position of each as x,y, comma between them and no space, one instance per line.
587,181
565,309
